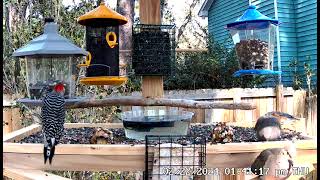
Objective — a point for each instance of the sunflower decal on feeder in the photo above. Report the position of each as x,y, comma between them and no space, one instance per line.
254,37
102,43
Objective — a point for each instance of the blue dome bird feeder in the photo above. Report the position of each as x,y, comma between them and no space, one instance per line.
254,37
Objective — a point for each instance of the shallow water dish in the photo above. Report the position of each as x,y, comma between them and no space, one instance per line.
138,124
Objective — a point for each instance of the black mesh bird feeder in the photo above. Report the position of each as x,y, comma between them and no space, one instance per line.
153,49
102,42
49,60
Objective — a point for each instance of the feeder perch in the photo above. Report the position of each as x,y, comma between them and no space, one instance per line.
102,42
49,60
254,37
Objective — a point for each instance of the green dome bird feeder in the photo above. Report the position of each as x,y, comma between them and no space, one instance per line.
49,60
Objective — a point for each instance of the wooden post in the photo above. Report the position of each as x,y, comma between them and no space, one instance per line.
11,116
152,86
150,11
236,99
7,119
236,93
7,114
279,97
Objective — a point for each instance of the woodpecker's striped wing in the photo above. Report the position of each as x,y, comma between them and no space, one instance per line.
53,115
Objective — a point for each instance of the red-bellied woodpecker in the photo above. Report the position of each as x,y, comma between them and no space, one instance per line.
268,127
53,118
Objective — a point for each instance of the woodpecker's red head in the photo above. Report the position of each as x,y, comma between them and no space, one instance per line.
59,88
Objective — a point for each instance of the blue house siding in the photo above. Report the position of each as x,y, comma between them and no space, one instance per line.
220,14
288,38
306,23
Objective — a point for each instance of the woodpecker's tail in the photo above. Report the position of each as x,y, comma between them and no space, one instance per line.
48,150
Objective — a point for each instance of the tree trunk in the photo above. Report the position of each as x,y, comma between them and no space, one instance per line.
17,15
125,8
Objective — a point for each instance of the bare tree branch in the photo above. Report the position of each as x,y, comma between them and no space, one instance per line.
140,101
187,19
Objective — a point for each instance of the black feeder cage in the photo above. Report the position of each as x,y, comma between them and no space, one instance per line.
175,157
102,43
153,49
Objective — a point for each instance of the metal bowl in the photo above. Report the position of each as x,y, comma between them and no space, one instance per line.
138,124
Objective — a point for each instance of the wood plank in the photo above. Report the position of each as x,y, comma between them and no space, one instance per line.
236,99
24,174
75,162
21,133
80,149
131,158
245,159
231,160
257,112
279,98
199,115
314,116
289,104
122,149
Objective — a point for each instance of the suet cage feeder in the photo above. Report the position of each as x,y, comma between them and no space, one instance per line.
166,155
153,49
254,37
102,42
49,60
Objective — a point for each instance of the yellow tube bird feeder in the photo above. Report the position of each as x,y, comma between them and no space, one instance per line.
102,41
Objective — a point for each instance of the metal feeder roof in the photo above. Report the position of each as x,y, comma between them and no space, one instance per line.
102,16
252,18
49,43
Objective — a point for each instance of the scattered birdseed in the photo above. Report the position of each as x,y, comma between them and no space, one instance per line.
83,135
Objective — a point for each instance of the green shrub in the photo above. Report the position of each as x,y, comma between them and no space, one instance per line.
208,70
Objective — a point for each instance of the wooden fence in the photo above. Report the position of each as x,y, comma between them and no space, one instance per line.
293,102
311,116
